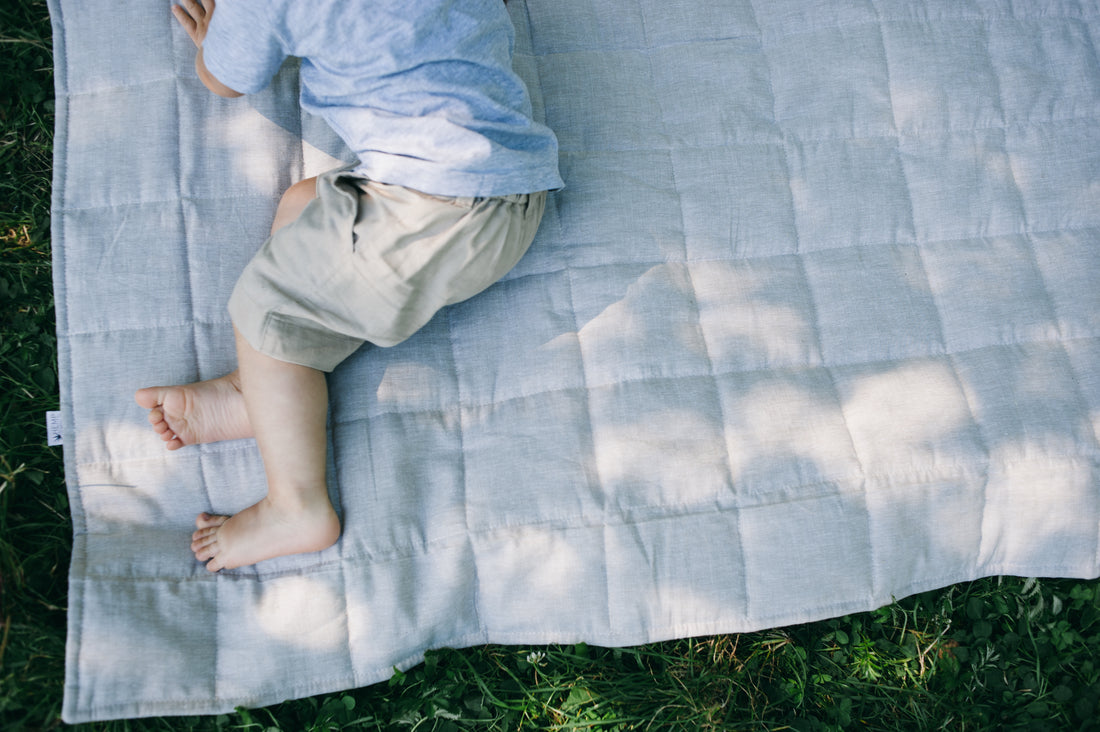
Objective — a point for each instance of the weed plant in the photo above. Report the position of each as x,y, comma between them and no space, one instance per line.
997,654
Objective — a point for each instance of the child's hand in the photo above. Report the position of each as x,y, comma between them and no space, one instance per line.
194,17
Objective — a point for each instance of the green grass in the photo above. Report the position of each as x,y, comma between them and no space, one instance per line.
989,655
34,523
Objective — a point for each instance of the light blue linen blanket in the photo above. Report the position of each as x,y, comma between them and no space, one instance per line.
813,326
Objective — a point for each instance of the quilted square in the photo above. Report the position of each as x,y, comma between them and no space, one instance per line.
141,535
849,192
833,84
622,191
1058,535
543,352
1055,169
756,314
114,427
989,292
236,476
215,347
542,572
1017,422
625,313
785,433
305,616
519,15
504,444
941,76
962,185
630,418
873,304
374,381
790,549
253,150
134,290
526,65
909,419
732,75
123,124
148,60
618,109
1047,71
425,599
118,494
1070,269
1084,358
415,492
924,528
222,236
658,557
736,202
141,625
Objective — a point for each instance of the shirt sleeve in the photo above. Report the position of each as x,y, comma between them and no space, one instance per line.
242,48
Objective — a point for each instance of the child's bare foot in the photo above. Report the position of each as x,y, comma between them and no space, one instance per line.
263,531
205,411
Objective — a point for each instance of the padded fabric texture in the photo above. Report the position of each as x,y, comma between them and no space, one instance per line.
813,326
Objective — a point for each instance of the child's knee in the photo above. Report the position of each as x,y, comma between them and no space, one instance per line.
294,200
298,195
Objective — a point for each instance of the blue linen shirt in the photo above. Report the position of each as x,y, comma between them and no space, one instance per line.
422,91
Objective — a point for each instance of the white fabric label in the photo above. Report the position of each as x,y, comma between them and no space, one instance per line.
53,429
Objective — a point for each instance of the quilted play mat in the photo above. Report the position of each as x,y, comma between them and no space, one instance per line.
813,325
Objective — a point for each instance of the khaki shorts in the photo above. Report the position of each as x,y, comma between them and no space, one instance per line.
369,261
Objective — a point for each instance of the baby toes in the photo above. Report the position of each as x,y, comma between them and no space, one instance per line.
202,538
209,520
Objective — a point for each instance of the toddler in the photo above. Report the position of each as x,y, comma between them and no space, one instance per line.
447,193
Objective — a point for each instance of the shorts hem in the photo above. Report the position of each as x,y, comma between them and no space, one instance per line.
289,339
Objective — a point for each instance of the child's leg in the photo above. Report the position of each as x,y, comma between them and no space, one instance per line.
213,410
296,516
287,405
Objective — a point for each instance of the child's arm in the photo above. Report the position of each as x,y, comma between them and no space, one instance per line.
195,18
